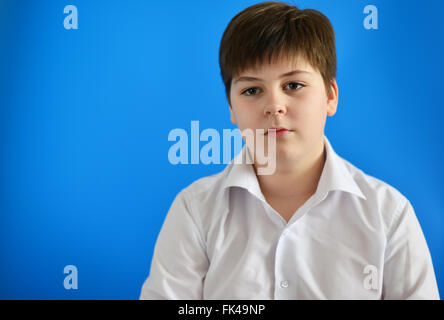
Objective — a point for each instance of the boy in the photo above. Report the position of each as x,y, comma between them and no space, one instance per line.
318,227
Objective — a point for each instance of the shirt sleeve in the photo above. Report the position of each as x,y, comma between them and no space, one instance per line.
408,269
179,262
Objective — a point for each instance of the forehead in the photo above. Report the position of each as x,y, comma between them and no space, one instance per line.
278,68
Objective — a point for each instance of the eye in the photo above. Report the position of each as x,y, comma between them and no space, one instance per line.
293,85
250,91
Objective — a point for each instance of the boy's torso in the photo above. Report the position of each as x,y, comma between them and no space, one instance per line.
330,245
322,253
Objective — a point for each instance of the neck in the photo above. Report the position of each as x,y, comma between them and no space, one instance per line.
295,177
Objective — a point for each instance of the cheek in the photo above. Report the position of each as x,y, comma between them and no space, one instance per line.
311,100
309,113
247,120
246,114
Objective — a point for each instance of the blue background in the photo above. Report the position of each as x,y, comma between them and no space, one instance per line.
85,116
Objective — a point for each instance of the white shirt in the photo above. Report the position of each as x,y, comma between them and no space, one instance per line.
356,238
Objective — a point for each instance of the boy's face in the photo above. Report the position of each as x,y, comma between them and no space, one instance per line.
296,102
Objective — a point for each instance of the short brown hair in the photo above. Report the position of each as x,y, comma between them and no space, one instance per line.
275,30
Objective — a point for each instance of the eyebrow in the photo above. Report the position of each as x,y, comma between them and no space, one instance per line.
245,78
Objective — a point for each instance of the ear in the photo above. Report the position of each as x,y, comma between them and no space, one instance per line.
233,118
332,100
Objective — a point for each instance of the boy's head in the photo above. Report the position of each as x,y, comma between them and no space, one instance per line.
260,48
268,32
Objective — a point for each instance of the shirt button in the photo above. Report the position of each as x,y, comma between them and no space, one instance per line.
284,284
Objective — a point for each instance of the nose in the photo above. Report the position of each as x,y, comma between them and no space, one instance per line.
275,106
275,110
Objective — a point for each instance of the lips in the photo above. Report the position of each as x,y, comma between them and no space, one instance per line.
279,131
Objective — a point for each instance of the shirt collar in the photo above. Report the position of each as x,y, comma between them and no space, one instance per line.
335,175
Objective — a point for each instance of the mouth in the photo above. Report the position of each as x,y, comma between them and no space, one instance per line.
278,132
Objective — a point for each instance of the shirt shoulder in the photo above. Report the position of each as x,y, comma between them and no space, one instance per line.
386,199
206,193
207,200
208,186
